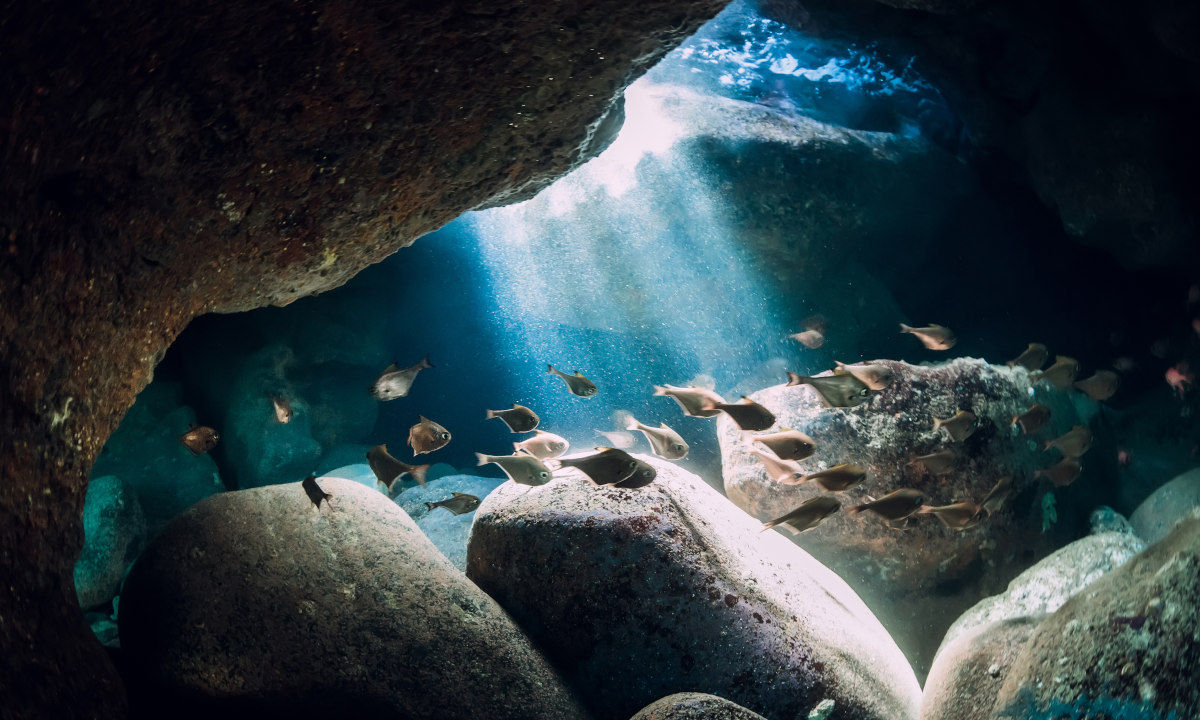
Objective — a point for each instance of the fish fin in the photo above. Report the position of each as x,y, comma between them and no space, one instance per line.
425,362
391,368
481,460
602,448
578,374
550,370
517,449
631,423
905,329
854,509
423,418
490,414
430,505
458,494
938,422
770,524
795,379
663,425
660,390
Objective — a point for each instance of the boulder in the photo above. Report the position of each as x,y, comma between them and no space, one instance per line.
970,670
114,530
1169,504
448,531
1128,644
695,706
259,599
639,593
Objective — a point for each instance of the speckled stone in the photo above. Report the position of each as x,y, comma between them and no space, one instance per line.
258,599
695,706
636,594
1169,504
970,670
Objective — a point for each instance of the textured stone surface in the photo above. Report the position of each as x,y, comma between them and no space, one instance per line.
1169,504
694,706
1128,642
258,599
113,532
159,165
969,670
635,594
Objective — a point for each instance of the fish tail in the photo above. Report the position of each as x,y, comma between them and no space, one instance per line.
517,447
660,390
938,422
430,505
550,370
631,423
768,525
796,379
491,414
905,329
855,509
425,362
481,459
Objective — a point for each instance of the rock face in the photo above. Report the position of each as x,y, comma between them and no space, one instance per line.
1169,504
257,599
635,594
970,669
694,706
113,532
217,159
1127,642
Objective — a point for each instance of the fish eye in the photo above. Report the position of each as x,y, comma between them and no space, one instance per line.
543,474
445,436
646,472
631,465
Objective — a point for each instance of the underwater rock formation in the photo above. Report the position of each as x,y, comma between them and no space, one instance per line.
635,594
259,599
114,530
1127,642
449,532
970,669
1154,518
694,706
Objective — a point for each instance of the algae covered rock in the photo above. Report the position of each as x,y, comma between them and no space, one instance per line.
257,599
1169,504
970,669
694,706
636,594
113,532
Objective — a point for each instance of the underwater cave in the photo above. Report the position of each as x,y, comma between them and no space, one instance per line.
592,360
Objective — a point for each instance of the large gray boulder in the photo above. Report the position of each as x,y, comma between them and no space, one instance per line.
969,670
114,530
258,599
695,706
636,594
1169,504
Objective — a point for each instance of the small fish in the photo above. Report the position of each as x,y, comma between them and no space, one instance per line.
784,471
691,399
199,439
388,469
314,491
937,463
788,444
519,419
1061,374
1062,474
1032,419
606,467
894,506
834,390
1180,379
1124,457
618,438
283,409
994,501
934,337
837,478
959,427
747,414
577,383
811,339
873,375
1032,359
1100,386
958,516
1073,443
643,474
808,515
395,382
459,504
665,442
522,469
427,436
543,445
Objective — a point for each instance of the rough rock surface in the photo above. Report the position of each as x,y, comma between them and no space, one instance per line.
1169,504
969,670
114,530
694,706
635,594
1127,642
257,598
163,165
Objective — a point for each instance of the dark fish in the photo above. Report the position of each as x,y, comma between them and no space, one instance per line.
518,419
691,399
958,516
747,414
959,427
459,504
834,390
665,442
1061,374
896,505
543,445
934,337
994,501
1062,474
788,444
520,468
1100,386
388,469
784,471
873,375
837,478
395,382
283,409
937,463
314,491
577,383
606,467
199,439
1033,358
1033,419
808,515
427,436
1073,443
641,476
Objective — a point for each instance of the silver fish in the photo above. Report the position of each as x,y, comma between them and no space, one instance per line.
747,414
427,436
518,419
665,442
395,382
522,469
934,337
837,478
896,505
788,444
808,515
200,439
784,471
691,399
577,383
834,390
619,439
543,445
937,463
283,409
873,375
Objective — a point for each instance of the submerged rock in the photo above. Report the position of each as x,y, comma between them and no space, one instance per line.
1169,504
113,532
258,599
449,532
1128,642
969,670
695,706
635,594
